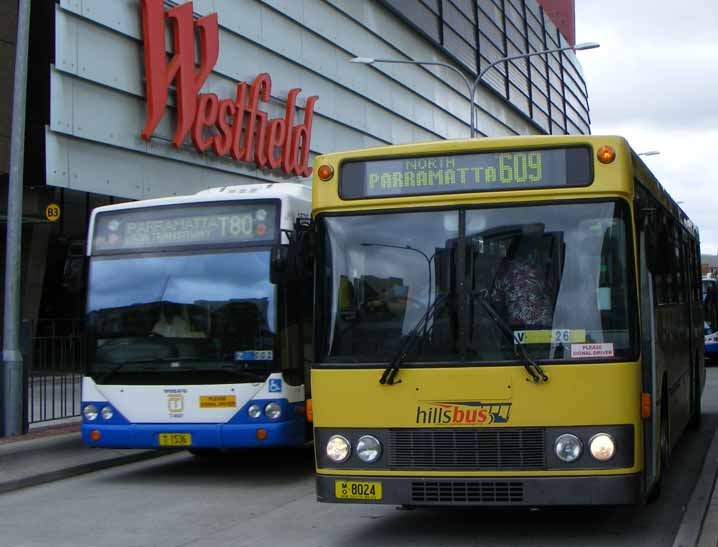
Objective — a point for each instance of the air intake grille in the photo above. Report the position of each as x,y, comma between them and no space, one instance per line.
514,449
465,492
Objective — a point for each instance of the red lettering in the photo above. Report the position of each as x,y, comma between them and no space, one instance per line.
276,135
261,86
223,141
207,110
237,127
482,415
458,415
302,134
238,122
159,73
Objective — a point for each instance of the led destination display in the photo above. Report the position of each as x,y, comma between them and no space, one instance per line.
481,172
181,226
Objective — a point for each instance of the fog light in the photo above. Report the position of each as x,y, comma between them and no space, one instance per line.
107,413
368,449
602,446
90,412
568,447
338,449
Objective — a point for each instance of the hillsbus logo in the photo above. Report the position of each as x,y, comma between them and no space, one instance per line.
462,413
230,126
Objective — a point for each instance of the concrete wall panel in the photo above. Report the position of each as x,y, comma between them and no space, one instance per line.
98,89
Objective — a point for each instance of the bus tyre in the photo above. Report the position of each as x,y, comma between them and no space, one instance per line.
696,406
663,451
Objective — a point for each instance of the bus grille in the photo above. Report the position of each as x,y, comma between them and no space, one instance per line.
464,492
514,449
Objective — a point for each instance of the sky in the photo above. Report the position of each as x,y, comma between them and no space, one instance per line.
654,80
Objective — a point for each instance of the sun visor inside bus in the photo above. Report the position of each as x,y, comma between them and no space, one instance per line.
456,173
179,226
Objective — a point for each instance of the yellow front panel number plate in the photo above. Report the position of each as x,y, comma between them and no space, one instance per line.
175,439
357,490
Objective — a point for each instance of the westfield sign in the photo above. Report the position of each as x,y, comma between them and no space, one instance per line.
229,126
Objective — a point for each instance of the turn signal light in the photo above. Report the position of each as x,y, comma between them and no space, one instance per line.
95,435
325,172
645,405
310,411
606,154
261,434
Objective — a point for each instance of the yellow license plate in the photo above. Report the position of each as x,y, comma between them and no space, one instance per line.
175,439
357,490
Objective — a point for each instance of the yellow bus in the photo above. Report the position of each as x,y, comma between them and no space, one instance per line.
501,321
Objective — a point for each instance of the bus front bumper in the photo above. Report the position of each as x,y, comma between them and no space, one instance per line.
468,491
286,433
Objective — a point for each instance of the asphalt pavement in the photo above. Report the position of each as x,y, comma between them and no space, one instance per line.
55,453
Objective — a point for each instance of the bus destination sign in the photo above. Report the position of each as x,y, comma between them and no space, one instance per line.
182,226
456,173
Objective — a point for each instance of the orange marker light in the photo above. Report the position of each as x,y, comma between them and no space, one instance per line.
325,172
310,411
645,405
606,154
261,434
95,435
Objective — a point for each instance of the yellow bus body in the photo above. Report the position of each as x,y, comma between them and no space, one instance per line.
351,400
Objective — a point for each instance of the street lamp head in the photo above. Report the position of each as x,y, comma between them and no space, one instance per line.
362,60
586,45
649,153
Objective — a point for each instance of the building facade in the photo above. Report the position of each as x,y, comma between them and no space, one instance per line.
105,102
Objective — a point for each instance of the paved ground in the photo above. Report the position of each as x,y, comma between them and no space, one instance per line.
250,498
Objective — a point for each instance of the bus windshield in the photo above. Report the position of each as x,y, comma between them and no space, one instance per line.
161,315
559,275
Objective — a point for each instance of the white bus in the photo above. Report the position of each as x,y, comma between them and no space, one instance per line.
198,330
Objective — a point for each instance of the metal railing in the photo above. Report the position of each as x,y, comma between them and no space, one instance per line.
55,365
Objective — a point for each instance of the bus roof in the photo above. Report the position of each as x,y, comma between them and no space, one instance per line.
628,161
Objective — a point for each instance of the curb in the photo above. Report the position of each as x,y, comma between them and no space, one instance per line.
692,523
76,470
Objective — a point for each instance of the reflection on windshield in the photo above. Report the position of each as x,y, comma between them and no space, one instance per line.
559,276
387,271
162,312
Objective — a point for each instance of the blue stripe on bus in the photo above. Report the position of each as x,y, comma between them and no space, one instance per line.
239,432
288,433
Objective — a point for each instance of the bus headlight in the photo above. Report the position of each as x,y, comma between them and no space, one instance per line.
368,449
568,447
338,449
272,411
254,411
90,412
107,413
602,447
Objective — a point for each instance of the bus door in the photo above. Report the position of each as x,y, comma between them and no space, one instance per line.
649,379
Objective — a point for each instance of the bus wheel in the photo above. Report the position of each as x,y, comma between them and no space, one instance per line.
663,451
696,406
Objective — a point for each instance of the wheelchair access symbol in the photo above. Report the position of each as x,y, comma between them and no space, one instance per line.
275,385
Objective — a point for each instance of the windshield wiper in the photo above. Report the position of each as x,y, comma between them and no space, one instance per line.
391,371
532,367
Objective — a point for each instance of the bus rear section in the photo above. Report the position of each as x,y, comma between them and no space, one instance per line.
478,340
192,341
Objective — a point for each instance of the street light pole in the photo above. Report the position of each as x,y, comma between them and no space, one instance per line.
12,365
472,86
